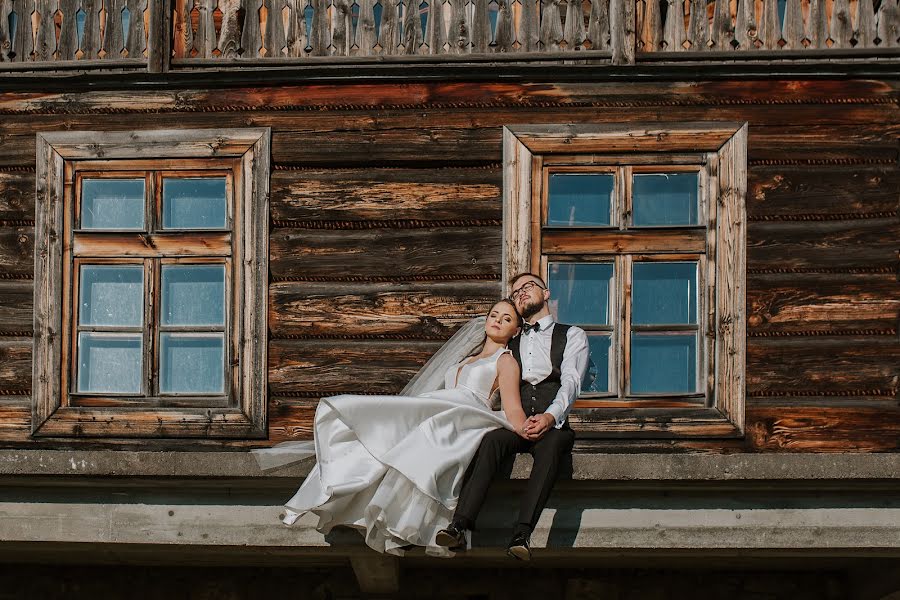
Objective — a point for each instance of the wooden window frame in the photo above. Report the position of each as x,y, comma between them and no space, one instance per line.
719,151
244,155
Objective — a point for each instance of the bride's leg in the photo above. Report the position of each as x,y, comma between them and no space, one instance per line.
496,446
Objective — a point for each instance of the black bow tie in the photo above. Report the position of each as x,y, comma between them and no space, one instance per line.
528,327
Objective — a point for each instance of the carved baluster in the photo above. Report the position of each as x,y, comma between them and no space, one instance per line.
841,26
229,42
770,25
365,28
865,24
673,31
574,31
551,27
481,29
251,41
598,25
722,31
793,26
698,26
650,26
274,42
68,33
817,24
45,34
458,36
889,24
745,27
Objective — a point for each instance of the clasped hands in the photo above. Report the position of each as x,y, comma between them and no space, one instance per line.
536,426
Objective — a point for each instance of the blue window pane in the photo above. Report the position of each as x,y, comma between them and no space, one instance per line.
109,363
664,293
580,199
194,203
665,199
663,363
192,363
581,292
193,295
111,295
112,204
597,377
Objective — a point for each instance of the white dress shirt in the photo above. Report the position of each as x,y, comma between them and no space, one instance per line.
534,347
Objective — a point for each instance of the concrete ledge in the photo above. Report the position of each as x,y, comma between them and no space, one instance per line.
587,467
865,530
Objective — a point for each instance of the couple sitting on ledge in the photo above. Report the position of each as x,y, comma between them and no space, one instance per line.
414,469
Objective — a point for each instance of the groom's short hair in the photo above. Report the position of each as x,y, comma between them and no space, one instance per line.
512,283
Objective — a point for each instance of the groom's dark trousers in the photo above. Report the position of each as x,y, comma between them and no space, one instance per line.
499,444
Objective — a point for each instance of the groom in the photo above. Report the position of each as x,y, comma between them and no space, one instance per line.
553,358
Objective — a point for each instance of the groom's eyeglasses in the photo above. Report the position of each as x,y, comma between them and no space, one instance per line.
526,287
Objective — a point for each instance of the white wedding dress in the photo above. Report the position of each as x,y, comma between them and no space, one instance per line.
392,466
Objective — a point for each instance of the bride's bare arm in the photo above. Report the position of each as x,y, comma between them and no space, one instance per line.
508,379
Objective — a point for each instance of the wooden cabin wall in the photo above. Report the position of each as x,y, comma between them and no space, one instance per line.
386,235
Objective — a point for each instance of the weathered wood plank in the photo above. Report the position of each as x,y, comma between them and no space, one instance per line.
399,253
114,36
230,35
16,308
17,250
814,303
24,39
7,43
325,367
383,194
426,310
587,241
16,195
68,36
822,366
15,421
15,365
795,191
839,244
841,24
251,36
136,39
291,421
819,429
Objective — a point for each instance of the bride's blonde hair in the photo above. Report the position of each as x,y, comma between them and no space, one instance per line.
519,320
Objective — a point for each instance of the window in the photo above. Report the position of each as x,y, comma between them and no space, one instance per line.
639,233
150,282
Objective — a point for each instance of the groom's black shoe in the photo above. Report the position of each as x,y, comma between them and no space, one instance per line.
453,537
519,546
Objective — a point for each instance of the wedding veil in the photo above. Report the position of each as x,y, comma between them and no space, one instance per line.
428,379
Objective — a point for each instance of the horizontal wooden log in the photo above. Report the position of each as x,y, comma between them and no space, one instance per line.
790,192
15,365
16,195
291,421
386,194
729,93
15,421
829,244
17,250
779,304
393,253
439,143
324,367
16,306
819,429
823,366
419,310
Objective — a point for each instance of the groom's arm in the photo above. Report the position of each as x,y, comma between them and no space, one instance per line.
572,370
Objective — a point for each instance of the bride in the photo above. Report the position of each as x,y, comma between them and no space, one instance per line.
392,466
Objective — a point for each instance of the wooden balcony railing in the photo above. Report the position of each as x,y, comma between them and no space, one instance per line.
739,26
41,35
